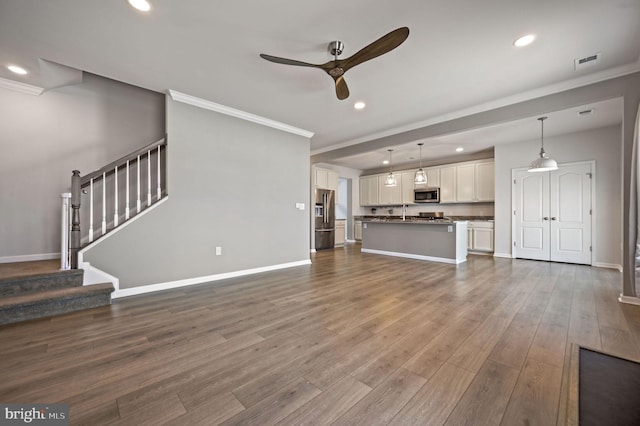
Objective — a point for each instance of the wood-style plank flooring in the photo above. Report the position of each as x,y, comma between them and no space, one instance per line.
354,339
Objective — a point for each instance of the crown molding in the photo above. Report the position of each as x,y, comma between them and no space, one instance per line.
212,106
20,87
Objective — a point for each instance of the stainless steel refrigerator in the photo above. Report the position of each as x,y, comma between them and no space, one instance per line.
325,214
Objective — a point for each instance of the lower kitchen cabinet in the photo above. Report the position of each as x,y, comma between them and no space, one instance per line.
480,236
357,230
341,232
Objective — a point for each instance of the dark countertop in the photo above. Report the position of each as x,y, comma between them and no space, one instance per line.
394,218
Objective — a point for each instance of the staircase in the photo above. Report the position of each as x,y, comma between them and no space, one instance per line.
44,292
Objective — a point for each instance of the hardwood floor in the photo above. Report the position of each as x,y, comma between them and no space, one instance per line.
352,339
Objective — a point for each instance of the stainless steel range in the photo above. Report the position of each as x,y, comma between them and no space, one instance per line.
433,216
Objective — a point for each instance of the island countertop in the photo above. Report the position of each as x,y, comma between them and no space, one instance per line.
437,241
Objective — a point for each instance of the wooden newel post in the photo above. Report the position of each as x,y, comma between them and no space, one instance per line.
74,243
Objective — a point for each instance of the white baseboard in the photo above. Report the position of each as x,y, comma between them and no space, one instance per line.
351,241
414,256
607,265
629,300
312,250
29,257
125,292
505,255
96,276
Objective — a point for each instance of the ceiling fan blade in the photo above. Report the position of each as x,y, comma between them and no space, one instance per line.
379,47
286,61
342,91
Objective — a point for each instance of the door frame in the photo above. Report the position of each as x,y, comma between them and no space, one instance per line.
594,175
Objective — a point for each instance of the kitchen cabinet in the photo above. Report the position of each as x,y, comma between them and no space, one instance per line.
357,230
480,234
433,177
485,181
467,182
407,181
340,232
471,182
448,184
369,191
389,195
326,179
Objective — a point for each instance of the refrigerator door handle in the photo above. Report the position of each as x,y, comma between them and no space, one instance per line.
326,210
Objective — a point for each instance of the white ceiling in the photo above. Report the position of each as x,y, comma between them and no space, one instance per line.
459,55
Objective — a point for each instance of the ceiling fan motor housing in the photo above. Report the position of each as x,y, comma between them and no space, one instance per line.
336,48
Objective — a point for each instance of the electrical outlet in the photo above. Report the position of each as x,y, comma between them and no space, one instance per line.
218,251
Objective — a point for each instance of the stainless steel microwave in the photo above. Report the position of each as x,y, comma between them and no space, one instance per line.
426,195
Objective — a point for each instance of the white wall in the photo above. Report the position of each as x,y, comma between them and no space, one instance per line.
232,184
44,138
602,145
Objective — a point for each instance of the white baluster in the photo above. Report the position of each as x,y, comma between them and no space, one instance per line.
148,178
104,203
159,188
126,207
91,210
115,206
138,200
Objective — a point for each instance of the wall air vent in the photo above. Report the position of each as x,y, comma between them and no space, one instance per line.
587,61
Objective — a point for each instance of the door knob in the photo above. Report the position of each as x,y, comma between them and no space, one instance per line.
545,218
553,218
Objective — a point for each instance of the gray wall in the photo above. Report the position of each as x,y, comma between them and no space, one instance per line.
43,138
232,184
602,145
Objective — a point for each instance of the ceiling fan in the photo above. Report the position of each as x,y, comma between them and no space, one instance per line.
337,67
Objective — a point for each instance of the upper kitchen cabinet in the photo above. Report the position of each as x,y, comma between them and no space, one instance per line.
326,179
471,182
407,180
467,182
389,195
485,181
448,184
369,191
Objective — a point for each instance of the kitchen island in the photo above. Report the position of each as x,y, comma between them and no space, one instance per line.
436,241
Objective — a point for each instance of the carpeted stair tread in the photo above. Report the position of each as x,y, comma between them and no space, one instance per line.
59,294
43,304
40,282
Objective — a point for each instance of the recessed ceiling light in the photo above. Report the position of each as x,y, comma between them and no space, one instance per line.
142,5
359,105
524,40
459,149
385,162
16,69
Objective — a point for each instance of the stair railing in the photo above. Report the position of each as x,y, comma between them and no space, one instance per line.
143,170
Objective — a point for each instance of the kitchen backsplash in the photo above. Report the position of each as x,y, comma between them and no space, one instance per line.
480,209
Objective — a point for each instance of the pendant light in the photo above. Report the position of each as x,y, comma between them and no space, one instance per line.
421,176
391,179
543,163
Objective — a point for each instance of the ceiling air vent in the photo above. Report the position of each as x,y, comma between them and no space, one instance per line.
587,61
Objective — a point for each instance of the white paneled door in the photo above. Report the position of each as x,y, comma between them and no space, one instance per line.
552,214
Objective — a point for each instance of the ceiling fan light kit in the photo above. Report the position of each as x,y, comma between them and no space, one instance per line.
543,163
337,67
